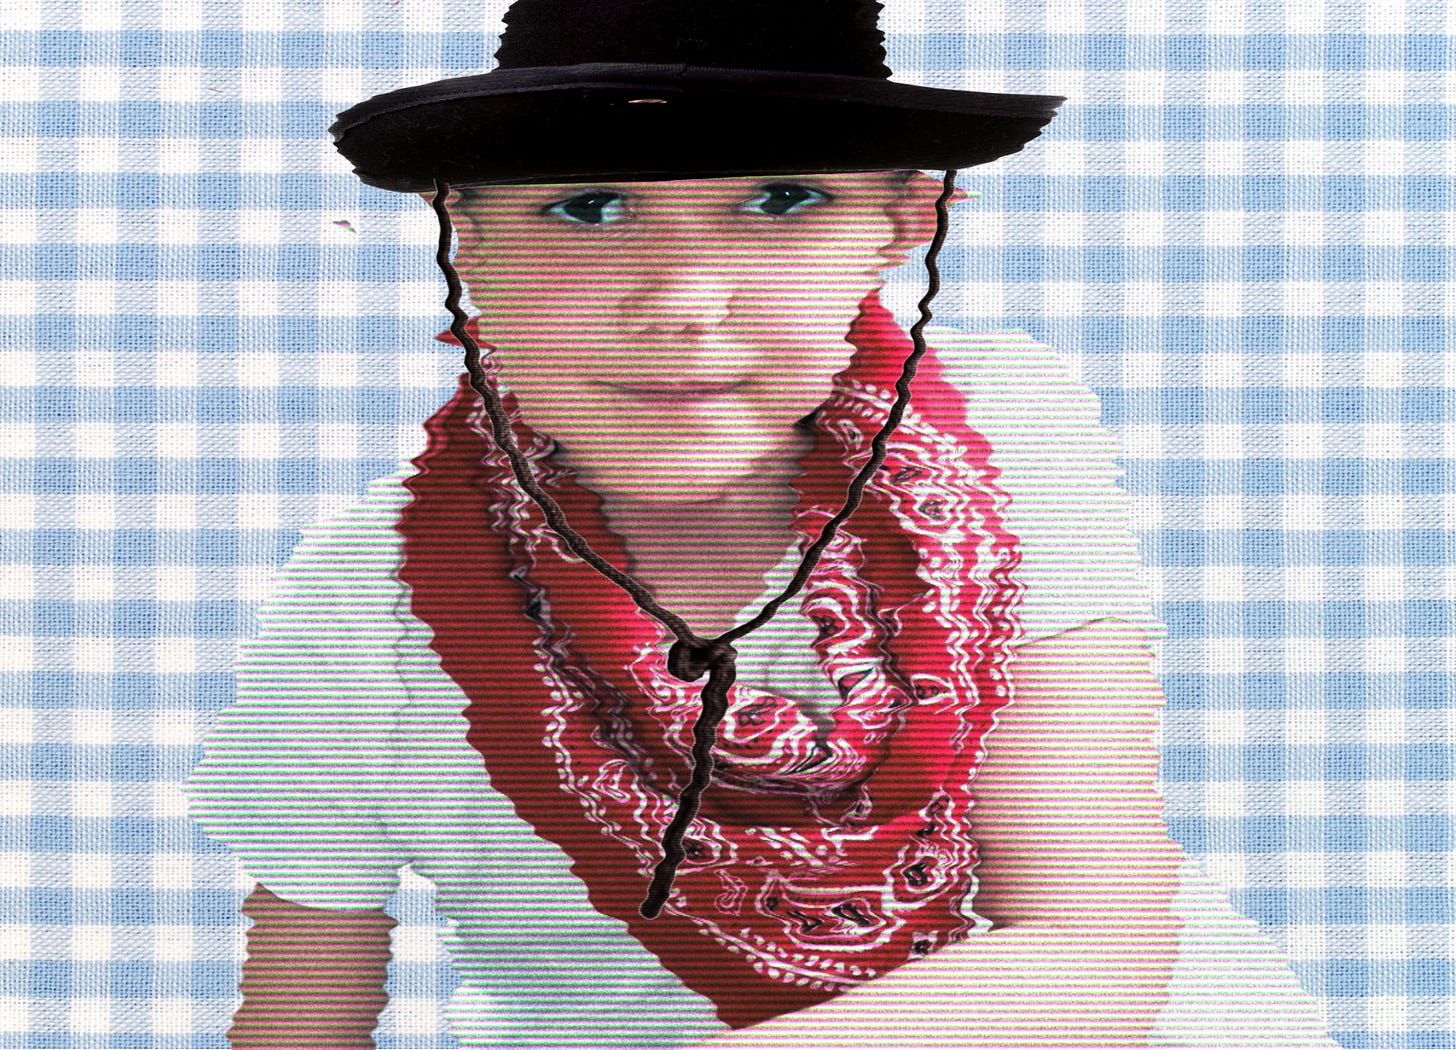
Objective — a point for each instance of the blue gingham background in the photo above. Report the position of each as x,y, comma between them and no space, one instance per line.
1239,229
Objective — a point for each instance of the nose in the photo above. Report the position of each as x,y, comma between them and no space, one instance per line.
680,296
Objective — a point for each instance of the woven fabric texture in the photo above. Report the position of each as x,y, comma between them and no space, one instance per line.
1239,230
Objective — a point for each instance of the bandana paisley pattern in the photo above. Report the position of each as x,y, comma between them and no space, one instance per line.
827,851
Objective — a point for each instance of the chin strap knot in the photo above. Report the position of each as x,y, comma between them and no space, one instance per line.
689,659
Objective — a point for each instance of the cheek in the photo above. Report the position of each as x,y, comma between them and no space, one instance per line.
538,287
804,326
544,328
823,286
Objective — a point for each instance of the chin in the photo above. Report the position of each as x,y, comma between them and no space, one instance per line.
680,488
701,474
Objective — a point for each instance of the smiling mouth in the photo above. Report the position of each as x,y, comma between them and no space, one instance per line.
678,392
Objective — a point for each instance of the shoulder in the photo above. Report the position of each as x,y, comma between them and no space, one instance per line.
1016,385
335,607
1056,465
1043,424
364,525
336,559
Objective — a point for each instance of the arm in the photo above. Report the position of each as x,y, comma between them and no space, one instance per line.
314,977
1077,872
1070,826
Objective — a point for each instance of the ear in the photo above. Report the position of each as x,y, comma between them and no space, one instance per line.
913,211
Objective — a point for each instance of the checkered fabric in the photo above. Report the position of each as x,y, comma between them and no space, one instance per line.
1239,227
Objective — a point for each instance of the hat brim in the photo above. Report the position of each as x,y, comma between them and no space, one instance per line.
648,122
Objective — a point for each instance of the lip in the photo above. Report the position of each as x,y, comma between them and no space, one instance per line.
676,393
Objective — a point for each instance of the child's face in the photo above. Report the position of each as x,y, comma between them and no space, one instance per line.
670,334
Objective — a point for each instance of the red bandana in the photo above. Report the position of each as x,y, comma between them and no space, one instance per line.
819,859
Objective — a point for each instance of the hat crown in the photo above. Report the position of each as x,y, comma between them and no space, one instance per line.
802,36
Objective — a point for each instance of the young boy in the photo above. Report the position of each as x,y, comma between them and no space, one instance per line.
673,381
693,367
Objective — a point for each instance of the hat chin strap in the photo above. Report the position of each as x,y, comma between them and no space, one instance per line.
690,655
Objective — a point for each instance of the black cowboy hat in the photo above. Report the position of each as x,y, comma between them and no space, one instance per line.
658,89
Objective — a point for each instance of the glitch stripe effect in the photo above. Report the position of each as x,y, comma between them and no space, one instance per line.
1238,230
827,854
340,658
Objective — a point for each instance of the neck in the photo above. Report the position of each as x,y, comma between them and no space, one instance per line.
707,560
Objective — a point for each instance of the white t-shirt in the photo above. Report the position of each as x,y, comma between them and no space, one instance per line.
344,756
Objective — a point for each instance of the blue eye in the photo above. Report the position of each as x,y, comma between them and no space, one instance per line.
781,198
593,208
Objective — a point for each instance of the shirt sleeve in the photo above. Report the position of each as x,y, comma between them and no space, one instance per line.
293,775
1079,558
